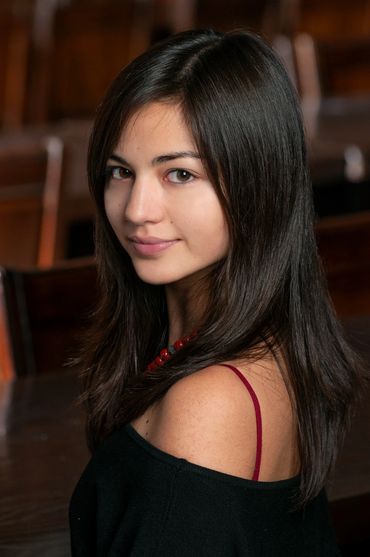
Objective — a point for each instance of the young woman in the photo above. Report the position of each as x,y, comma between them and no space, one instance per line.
218,384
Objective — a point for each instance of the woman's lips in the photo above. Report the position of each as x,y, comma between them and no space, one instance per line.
151,246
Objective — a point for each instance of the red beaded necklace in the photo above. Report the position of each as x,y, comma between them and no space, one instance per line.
166,353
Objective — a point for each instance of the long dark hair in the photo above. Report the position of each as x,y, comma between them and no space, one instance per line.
269,293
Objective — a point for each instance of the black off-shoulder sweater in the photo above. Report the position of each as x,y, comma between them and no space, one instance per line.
135,500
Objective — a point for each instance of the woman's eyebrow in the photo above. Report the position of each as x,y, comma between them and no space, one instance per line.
117,158
176,155
161,158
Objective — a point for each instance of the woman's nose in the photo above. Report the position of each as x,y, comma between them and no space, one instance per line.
145,202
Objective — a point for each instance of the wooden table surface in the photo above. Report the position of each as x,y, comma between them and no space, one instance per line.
42,454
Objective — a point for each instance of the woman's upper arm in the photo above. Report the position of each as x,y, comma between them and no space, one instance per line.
208,418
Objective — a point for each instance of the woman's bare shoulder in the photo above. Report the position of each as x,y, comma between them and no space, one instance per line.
209,417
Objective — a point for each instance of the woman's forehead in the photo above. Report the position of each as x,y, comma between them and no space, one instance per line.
160,122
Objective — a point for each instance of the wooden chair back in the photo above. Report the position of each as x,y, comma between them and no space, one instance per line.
42,313
340,175
84,46
77,210
30,181
253,14
344,66
283,45
15,40
332,19
332,68
344,246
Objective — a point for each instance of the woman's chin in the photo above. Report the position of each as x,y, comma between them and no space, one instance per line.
158,278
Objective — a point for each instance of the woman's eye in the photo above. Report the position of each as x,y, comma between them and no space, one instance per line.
180,176
118,172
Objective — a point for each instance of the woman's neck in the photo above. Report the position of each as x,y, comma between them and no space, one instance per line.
185,306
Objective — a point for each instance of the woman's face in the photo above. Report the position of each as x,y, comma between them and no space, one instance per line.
159,200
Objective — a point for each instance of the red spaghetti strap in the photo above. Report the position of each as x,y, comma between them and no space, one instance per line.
257,410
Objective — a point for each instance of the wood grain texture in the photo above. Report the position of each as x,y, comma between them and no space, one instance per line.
42,453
